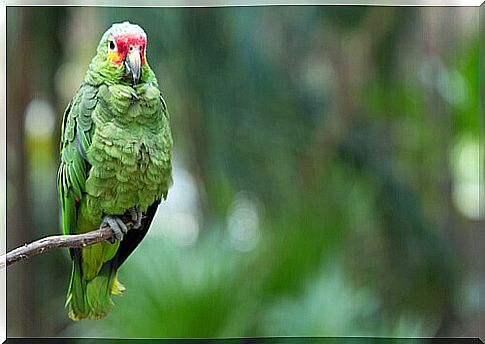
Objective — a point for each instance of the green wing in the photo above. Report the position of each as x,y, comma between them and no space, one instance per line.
76,131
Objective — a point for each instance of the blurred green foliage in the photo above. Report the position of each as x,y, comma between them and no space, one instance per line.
314,186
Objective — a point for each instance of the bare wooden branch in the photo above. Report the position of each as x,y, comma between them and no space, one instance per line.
56,241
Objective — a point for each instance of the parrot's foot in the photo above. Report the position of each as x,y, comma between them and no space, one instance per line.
117,226
136,217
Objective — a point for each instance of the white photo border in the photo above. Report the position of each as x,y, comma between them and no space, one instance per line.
160,3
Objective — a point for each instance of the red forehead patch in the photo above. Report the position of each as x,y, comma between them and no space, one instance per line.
124,41
129,38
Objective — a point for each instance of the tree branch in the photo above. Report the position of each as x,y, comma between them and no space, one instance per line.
56,241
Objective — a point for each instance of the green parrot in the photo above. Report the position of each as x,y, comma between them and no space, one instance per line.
116,163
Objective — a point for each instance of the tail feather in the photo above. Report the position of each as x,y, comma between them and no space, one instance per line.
92,299
76,296
98,293
116,287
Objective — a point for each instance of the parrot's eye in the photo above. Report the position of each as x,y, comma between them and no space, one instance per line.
112,45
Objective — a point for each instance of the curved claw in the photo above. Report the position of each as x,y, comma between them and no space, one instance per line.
117,226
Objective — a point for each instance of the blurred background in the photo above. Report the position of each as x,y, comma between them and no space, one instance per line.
326,172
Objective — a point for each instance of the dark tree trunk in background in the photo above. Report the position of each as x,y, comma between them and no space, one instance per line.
34,58
19,298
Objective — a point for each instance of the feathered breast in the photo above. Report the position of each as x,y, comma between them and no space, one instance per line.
129,152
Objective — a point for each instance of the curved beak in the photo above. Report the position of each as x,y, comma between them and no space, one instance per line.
133,64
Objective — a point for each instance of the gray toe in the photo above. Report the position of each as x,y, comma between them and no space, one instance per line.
136,217
117,226
121,225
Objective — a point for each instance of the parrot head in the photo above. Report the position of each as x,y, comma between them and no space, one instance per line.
122,48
